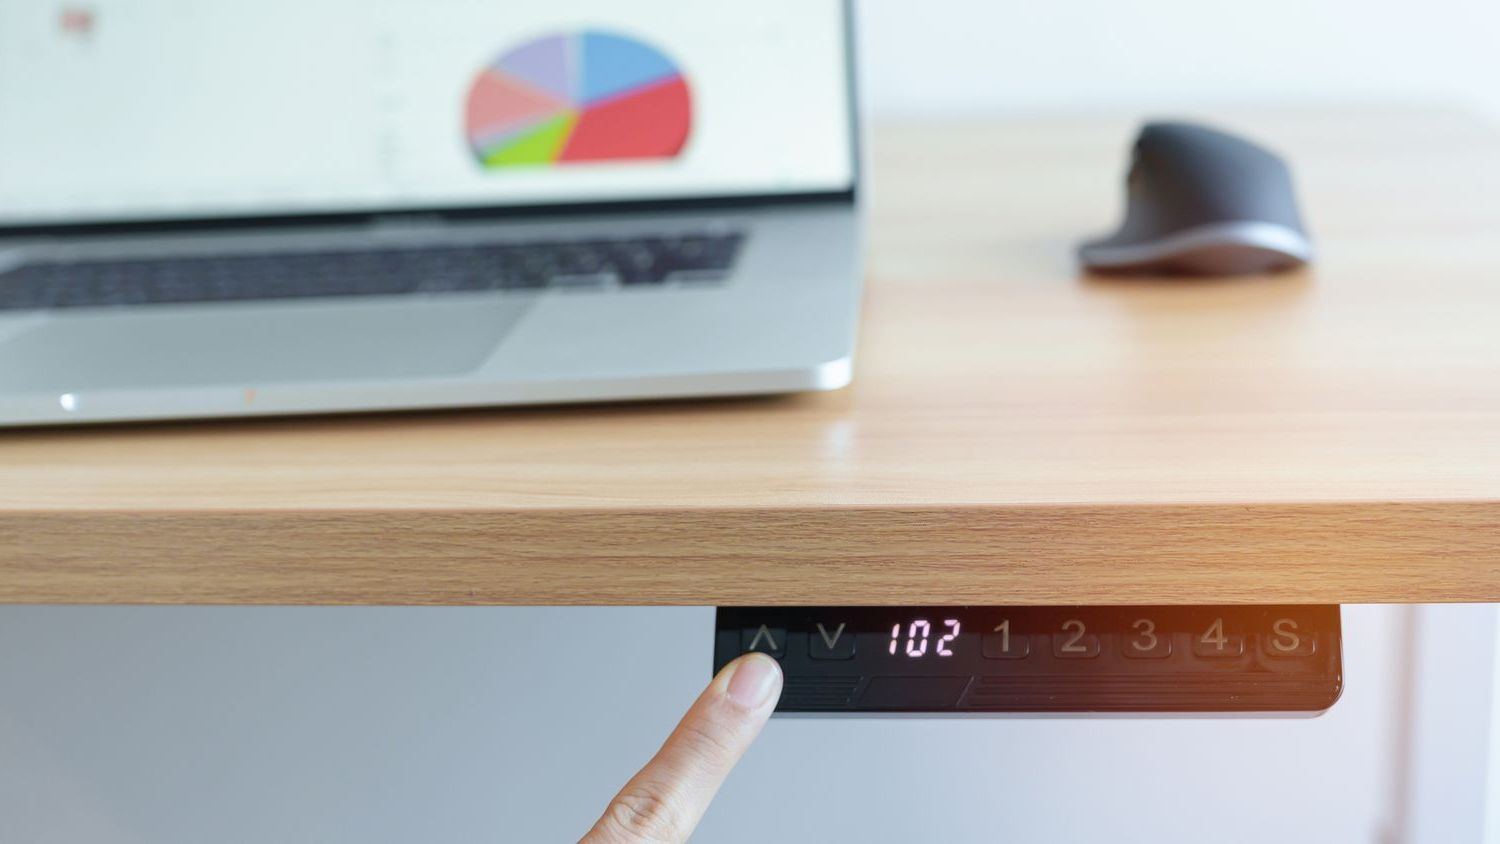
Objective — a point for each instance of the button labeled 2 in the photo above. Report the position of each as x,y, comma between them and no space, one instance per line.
1075,642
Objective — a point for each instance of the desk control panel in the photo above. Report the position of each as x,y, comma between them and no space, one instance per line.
1135,659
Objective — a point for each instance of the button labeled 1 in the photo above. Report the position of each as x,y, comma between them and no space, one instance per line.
1000,644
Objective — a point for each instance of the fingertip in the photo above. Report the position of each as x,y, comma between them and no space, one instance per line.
754,681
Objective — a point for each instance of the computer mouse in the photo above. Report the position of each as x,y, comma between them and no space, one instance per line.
1200,201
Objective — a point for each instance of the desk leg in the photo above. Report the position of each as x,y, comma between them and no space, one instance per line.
1452,767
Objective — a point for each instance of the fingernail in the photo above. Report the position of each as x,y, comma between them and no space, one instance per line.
754,680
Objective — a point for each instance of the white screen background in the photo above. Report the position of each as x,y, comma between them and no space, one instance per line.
181,108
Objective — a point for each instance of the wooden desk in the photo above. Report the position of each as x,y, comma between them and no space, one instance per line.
1017,433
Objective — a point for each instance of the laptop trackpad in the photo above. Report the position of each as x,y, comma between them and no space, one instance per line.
257,344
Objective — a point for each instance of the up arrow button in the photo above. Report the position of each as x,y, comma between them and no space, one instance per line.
765,639
831,642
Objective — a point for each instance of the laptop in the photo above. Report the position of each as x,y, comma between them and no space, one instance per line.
310,206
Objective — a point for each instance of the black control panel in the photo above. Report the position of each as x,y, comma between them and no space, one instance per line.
1044,659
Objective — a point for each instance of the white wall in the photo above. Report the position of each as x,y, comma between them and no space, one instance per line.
944,55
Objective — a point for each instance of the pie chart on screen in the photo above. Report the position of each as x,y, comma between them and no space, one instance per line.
585,96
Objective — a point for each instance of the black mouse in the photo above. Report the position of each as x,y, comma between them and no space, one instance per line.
1203,202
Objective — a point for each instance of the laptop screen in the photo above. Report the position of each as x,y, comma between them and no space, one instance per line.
142,110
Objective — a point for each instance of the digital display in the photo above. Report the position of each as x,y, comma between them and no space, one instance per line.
919,633
1044,659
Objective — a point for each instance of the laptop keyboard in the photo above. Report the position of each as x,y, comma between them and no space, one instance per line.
537,265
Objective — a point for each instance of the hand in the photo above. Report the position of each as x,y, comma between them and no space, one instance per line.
663,803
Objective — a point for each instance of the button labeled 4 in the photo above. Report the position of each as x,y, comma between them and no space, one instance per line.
1214,642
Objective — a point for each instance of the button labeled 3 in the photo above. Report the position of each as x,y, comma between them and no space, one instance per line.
1145,642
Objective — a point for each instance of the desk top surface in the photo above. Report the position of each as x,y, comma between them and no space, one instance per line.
1016,432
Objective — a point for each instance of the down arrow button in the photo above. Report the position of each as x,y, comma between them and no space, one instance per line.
831,642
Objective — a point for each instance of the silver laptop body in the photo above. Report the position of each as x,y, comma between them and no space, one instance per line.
643,234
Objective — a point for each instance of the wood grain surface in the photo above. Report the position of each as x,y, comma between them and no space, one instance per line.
1017,432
